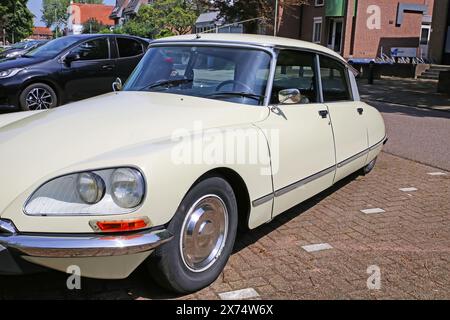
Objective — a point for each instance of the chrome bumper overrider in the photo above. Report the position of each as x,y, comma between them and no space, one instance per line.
79,246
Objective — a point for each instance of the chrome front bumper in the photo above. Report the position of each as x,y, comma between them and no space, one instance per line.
80,246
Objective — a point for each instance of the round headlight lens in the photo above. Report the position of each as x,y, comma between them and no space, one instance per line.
90,187
127,188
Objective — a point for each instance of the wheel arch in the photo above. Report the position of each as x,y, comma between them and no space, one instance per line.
58,90
239,188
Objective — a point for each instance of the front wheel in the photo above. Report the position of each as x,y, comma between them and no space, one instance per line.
38,96
204,229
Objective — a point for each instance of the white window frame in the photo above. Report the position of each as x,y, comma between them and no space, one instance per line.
319,3
317,21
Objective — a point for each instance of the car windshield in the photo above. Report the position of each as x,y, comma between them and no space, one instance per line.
230,74
19,45
52,48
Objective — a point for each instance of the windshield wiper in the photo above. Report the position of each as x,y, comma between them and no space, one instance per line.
162,83
238,94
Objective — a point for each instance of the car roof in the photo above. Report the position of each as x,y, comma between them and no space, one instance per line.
259,40
96,35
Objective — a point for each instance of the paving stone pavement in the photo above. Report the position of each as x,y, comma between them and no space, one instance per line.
410,243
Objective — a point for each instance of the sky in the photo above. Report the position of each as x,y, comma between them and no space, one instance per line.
36,5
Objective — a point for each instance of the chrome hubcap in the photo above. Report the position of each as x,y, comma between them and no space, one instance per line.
38,99
204,233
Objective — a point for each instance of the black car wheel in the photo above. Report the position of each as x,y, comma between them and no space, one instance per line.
38,96
204,229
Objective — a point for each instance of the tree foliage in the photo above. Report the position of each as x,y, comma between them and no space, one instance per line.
16,19
92,25
240,10
162,18
55,11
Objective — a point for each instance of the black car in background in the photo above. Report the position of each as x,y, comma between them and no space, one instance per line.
20,48
68,69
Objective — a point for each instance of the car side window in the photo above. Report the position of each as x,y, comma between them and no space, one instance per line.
93,50
129,47
335,85
295,70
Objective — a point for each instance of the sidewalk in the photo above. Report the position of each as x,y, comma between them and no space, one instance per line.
410,92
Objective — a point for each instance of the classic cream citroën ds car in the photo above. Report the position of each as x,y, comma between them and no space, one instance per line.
210,131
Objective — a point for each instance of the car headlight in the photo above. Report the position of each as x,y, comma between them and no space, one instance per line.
12,54
127,187
100,192
10,73
90,187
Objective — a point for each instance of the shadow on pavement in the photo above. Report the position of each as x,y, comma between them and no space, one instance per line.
387,107
408,92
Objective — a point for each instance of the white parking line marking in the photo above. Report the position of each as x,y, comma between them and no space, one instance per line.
239,294
437,174
317,247
408,189
373,211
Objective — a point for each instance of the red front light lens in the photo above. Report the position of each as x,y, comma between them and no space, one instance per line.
122,225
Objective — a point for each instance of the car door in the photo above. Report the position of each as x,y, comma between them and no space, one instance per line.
130,51
347,116
300,135
92,71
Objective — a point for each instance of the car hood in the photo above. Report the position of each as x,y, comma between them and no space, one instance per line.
38,145
18,62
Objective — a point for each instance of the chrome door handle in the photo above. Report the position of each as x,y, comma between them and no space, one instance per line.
323,113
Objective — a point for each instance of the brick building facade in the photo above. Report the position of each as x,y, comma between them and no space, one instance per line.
363,28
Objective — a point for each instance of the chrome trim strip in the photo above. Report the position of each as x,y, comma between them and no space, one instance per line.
382,142
292,187
73,246
316,176
262,200
302,182
362,153
353,158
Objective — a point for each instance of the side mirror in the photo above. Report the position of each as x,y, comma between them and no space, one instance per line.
289,96
71,57
117,85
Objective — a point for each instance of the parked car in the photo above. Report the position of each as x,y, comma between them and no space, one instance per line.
21,48
68,69
209,132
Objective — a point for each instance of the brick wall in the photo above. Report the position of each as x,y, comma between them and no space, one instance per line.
358,40
369,43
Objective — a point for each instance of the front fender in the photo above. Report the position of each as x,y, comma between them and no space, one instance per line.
168,177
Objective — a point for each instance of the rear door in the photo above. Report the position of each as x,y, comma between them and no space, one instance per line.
130,51
347,117
92,73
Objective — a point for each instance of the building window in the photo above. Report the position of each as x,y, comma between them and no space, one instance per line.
319,3
425,35
317,30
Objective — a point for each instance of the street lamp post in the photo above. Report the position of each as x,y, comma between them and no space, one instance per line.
56,21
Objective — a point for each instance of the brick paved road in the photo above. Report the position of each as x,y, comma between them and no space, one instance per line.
410,243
